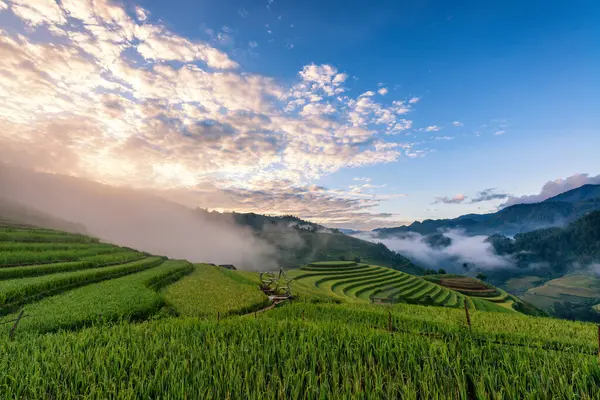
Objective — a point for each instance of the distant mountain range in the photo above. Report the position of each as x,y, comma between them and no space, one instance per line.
519,218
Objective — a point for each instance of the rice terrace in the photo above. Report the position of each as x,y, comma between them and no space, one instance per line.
98,321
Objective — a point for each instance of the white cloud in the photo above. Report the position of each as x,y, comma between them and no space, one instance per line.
444,138
498,133
383,91
253,44
473,250
414,100
3,5
142,14
431,128
38,12
87,104
554,188
459,198
162,45
457,123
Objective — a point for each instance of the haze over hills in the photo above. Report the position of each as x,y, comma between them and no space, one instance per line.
148,222
556,211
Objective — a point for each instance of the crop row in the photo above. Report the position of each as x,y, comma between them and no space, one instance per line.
16,258
332,264
131,297
210,290
51,246
101,260
18,291
8,235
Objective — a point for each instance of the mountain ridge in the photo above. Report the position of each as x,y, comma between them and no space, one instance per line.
519,218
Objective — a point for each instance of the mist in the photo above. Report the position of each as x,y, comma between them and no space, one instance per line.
472,250
138,219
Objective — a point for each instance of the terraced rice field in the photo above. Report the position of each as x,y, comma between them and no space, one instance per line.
63,280
361,283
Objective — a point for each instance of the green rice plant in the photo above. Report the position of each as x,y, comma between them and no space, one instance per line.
18,291
210,290
265,358
52,246
485,305
332,264
35,235
339,285
334,269
131,297
15,258
96,261
366,292
349,290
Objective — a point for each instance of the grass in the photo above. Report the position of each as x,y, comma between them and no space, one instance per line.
131,297
210,290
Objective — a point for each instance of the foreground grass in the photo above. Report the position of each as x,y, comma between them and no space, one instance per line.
266,358
210,290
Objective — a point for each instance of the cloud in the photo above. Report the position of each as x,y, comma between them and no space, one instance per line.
459,198
382,91
431,128
95,90
554,188
362,179
253,44
444,138
414,100
473,250
498,133
142,14
457,123
487,195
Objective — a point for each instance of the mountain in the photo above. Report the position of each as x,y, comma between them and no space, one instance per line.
561,250
556,211
583,193
557,269
148,222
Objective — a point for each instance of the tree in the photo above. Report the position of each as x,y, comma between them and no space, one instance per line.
441,271
357,259
466,266
342,258
481,276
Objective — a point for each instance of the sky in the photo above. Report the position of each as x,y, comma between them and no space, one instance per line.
348,113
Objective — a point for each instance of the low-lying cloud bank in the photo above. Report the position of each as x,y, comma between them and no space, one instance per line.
473,250
136,219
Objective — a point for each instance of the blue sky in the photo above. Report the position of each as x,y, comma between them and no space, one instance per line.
490,95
